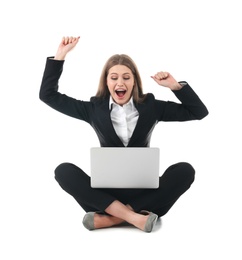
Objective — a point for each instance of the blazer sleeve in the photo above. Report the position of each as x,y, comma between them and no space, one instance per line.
190,108
49,93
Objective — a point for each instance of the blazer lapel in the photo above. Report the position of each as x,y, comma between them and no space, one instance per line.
144,126
107,122
140,109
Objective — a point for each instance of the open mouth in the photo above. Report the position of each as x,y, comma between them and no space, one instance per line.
120,92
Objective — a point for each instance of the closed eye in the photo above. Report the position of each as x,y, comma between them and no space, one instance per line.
117,78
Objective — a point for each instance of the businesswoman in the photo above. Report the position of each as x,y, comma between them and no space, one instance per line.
122,115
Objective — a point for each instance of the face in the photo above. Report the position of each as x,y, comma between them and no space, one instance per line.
120,81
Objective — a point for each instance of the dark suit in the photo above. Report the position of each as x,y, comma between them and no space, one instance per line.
96,112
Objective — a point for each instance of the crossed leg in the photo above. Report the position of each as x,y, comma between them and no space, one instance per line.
119,213
173,183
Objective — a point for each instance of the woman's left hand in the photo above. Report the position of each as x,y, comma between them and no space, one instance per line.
165,79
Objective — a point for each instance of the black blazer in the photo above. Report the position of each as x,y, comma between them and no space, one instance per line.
96,111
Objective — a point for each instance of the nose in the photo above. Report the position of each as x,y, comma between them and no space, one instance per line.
120,82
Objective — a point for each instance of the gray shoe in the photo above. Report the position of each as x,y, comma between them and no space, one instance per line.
88,221
151,221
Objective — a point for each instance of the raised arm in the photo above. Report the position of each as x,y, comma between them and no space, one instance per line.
191,106
49,92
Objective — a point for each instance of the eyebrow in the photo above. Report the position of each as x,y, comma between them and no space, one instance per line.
122,74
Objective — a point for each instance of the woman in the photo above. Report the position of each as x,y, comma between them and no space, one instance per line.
122,115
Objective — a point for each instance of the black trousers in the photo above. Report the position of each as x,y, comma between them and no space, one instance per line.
172,184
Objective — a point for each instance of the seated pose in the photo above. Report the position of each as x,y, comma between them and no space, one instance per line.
122,116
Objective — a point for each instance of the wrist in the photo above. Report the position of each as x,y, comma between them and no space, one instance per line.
176,87
179,85
60,56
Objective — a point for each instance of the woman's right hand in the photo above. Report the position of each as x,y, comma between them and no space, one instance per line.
66,45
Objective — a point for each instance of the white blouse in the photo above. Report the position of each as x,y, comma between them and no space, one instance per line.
124,119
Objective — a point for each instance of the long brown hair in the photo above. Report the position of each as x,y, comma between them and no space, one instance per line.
121,59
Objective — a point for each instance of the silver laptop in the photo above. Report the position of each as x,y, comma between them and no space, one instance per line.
125,167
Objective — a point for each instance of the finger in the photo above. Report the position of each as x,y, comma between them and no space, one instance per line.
155,79
66,40
166,74
63,40
78,37
161,75
74,39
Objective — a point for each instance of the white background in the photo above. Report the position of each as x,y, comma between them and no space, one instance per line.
196,41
